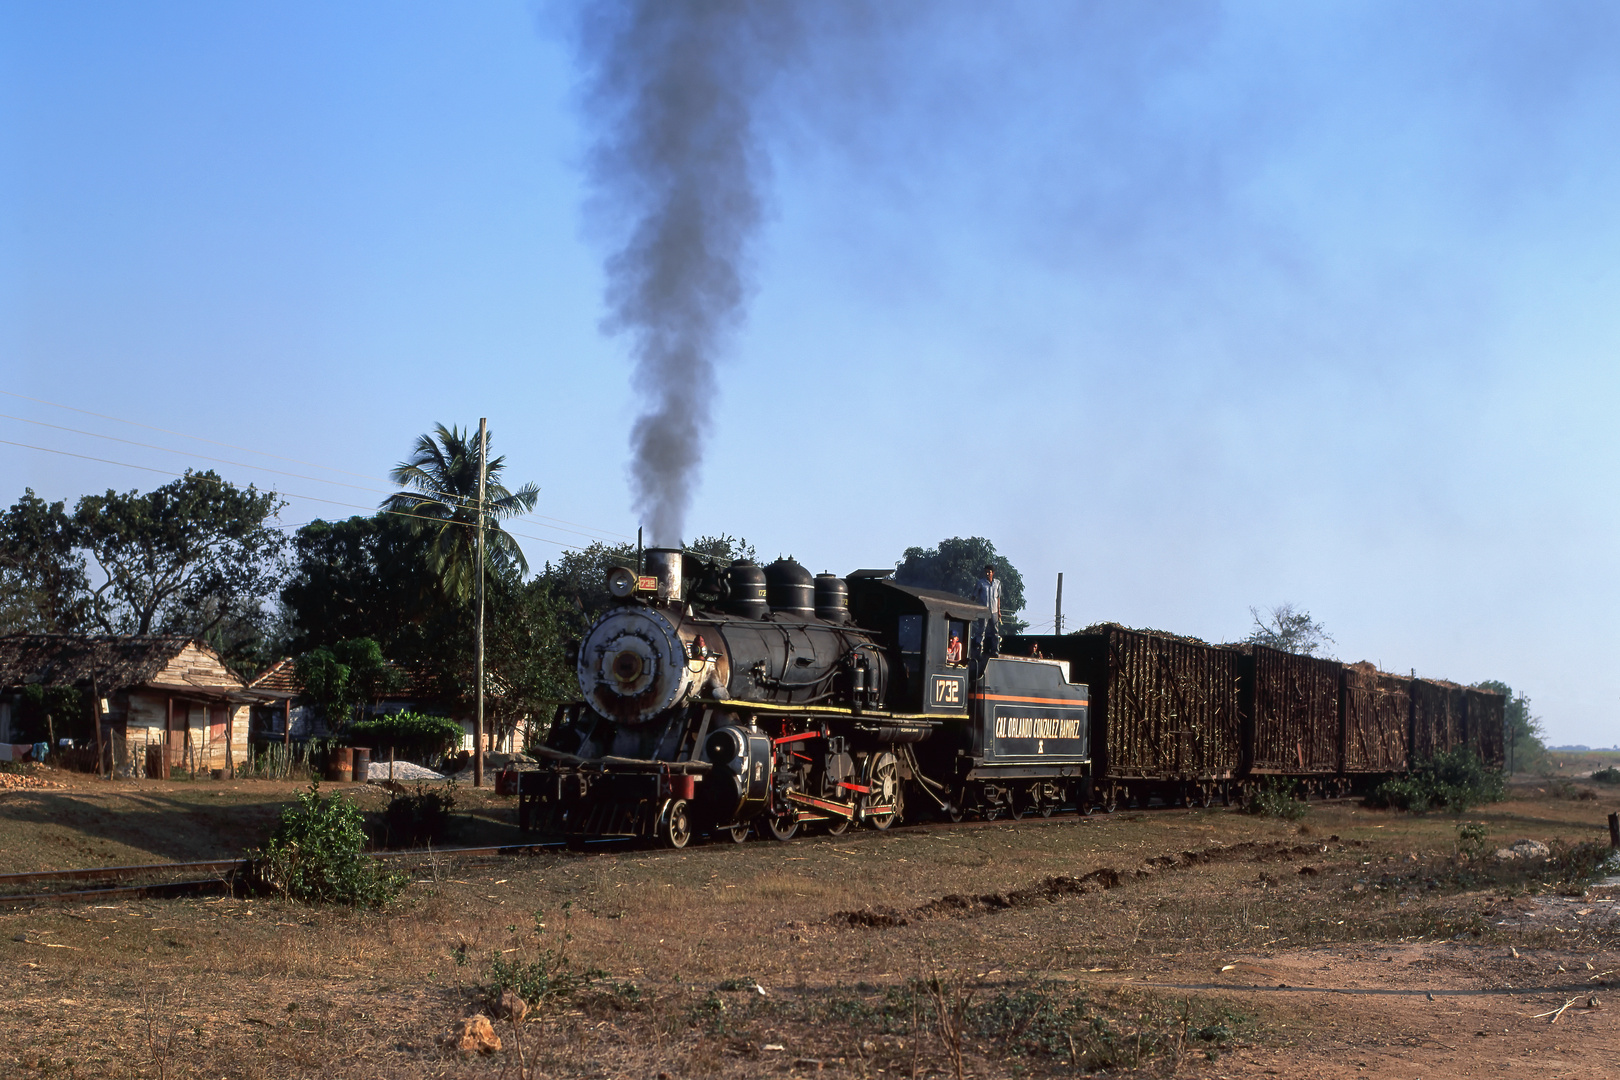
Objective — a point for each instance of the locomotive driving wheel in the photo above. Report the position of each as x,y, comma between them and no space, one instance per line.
782,826
736,833
883,778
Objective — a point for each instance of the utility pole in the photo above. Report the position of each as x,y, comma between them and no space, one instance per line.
95,718
478,726
1057,625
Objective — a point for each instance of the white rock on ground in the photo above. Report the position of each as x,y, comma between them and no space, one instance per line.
1524,849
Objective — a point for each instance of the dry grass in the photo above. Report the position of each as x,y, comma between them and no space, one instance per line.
247,988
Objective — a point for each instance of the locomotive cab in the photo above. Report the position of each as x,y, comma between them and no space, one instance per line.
926,633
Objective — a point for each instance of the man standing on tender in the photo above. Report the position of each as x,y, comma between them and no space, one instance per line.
988,593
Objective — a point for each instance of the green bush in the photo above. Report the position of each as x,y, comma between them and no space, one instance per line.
316,855
413,736
1453,780
419,819
1276,799
1611,775
550,974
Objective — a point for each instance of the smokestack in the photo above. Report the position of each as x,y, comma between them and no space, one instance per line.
678,173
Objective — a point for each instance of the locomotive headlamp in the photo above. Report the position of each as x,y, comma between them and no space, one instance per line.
621,582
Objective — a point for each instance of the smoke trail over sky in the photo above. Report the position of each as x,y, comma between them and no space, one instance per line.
678,172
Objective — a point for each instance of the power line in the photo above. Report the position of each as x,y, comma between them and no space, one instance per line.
541,519
289,494
264,468
187,453
258,468
182,434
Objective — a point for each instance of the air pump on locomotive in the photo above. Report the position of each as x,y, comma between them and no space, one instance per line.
722,699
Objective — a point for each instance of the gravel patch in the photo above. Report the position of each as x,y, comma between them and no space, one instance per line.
404,771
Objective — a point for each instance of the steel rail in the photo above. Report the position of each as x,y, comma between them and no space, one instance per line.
228,865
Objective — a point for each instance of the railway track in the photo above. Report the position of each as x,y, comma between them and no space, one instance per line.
220,875
171,879
160,878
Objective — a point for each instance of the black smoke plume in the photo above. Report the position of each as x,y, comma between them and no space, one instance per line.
678,175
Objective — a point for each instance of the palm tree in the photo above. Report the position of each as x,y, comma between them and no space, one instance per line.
442,473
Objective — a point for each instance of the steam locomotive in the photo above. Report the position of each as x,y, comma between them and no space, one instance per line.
722,700
725,700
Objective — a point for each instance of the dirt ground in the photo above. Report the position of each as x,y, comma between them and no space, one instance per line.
1195,943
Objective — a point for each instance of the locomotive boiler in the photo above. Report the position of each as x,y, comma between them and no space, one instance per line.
724,699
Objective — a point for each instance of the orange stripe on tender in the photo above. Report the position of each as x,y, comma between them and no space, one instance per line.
1029,700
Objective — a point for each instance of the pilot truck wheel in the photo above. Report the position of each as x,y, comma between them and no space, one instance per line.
674,827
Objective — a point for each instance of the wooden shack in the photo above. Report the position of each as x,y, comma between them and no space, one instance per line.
165,703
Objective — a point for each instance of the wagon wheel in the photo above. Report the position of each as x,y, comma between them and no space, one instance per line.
1111,800
1226,794
991,811
1017,805
837,826
1046,807
736,833
883,780
1200,796
954,812
674,828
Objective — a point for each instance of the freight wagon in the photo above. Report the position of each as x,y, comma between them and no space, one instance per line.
1182,721
1167,721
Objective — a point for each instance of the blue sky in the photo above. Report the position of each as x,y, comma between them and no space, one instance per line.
1205,305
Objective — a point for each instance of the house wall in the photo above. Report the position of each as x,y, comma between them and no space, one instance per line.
468,739
205,735
192,666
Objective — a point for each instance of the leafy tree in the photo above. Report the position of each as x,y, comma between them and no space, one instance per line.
1522,732
524,656
43,587
1289,629
442,504
956,566
363,577
345,678
723,547
579,578
193,556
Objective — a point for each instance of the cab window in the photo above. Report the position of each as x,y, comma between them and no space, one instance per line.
910,636
956,642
